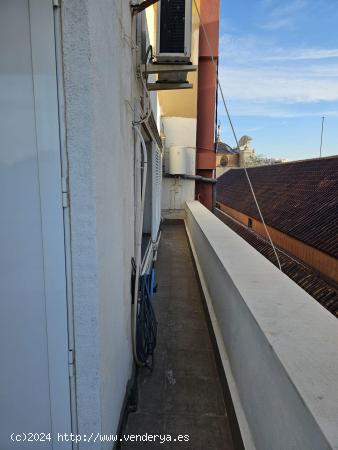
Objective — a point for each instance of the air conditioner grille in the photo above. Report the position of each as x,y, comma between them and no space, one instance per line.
172,26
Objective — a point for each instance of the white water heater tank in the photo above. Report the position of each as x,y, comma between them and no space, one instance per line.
177,160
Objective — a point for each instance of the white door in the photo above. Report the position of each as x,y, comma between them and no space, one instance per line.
34,377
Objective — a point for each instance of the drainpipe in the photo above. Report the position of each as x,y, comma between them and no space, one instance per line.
206,103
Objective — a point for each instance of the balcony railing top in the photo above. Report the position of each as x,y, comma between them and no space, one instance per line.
279,345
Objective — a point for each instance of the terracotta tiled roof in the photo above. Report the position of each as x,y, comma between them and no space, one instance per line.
298,198
308,279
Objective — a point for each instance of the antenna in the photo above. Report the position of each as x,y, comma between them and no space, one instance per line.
321,138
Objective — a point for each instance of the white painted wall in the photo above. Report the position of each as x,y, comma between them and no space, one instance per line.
100,88
278,345
179,131
34,375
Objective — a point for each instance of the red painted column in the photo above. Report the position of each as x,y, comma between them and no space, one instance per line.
206,102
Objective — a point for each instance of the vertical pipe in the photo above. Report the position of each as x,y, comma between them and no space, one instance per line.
207,96
139,228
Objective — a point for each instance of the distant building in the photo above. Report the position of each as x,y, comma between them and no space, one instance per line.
226,158
242,156
247,153
249,158
299,202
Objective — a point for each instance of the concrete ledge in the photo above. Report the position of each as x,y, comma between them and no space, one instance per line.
279,347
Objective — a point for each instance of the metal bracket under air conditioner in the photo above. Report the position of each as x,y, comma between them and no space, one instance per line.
167,68
168,86
138,7
171,76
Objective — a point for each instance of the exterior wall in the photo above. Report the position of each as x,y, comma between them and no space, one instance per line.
277,345
97,54
149,22
220,170
34,376
233,161
178,127
325,264
176,191
183,103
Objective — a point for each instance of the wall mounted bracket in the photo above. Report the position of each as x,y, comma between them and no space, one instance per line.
139,6
167,68
168,86
171,76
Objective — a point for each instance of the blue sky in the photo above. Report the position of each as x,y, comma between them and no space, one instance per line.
279,72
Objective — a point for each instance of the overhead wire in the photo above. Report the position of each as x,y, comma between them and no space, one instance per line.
235,135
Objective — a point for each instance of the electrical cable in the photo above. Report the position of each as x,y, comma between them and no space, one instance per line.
138,256
148,114
235,136
144,325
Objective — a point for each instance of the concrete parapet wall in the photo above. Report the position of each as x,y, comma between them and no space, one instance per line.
278,346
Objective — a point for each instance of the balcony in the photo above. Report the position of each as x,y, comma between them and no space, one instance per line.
276,348
183,395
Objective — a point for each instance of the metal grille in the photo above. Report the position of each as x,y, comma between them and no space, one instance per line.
172,26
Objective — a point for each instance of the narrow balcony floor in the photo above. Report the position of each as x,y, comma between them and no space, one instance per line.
183,395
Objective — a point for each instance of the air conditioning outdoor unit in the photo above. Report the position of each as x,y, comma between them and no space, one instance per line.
174,31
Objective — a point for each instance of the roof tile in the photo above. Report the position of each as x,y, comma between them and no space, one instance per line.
298,198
